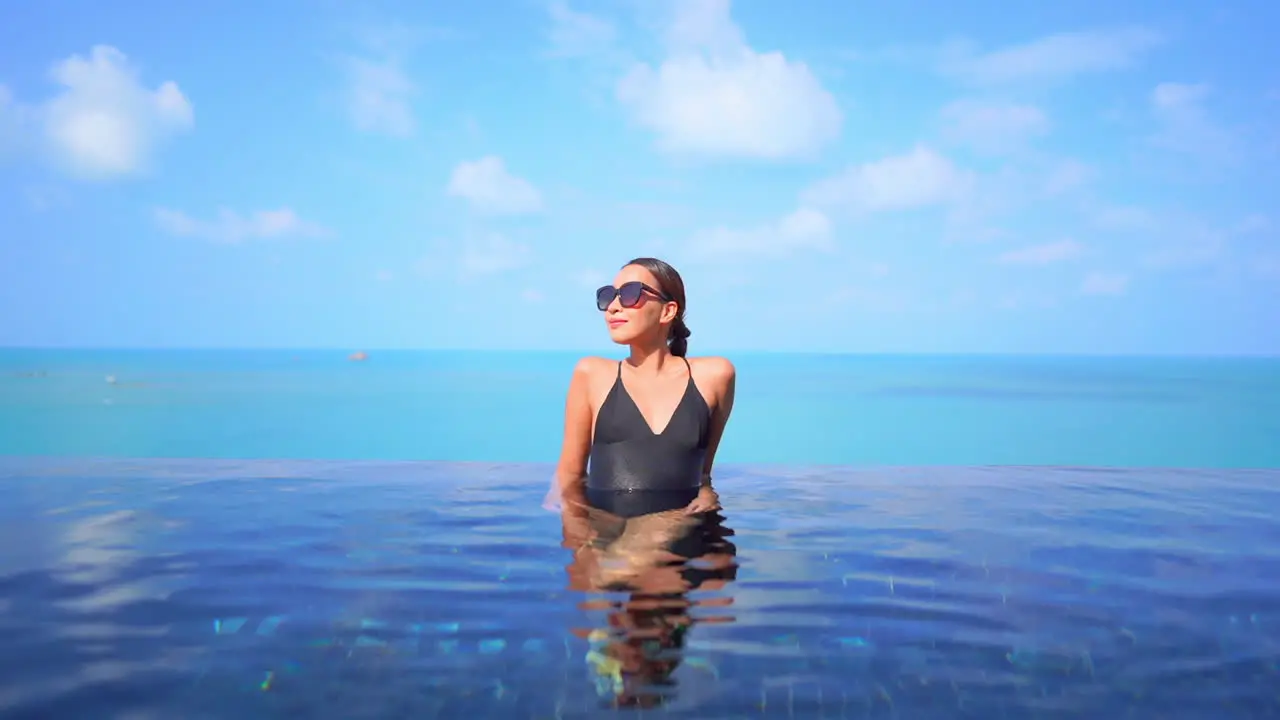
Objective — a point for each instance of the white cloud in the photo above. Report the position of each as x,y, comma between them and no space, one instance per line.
714,95
916,179
486,184
380,97
492,254
575,34
104,123
1188,246
1054,57
1171,239
1172,97
1067,175
1255,223
1122,218
1045,254
994,127
591,278
804,229
380,94
1099,283
1184,124
231,227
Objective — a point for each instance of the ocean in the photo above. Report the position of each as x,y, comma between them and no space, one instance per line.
507,407
209,534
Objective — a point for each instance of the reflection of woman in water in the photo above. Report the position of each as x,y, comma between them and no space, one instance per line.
634,657
640,437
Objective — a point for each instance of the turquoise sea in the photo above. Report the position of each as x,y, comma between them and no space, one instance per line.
210,534
506,407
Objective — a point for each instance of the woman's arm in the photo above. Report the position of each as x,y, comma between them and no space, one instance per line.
725,377
571,470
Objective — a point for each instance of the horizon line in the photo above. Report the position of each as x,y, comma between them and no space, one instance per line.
370,350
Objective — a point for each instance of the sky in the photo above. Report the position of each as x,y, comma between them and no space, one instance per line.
827,176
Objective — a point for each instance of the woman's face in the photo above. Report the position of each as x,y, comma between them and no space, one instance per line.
650,315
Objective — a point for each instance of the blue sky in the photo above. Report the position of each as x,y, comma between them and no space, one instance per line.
827,176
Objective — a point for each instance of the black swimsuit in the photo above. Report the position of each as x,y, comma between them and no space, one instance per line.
633,470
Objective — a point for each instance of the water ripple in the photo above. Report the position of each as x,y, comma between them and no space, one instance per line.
157,588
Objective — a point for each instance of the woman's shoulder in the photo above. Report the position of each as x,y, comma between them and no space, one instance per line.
713,367
591,365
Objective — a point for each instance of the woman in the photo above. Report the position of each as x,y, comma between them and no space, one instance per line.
640,435
634,480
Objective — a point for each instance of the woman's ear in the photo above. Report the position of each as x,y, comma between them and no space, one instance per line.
669,312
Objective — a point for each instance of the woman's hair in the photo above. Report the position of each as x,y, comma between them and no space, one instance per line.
670,282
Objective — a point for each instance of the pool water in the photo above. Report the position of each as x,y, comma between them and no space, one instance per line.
210,589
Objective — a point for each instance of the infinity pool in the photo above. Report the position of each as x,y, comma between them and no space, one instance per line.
210,589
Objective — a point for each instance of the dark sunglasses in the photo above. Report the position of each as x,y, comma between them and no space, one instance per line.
628,294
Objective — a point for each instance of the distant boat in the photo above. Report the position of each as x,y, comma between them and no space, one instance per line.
358,356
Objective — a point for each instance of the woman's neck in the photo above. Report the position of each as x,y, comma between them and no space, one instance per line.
649,359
